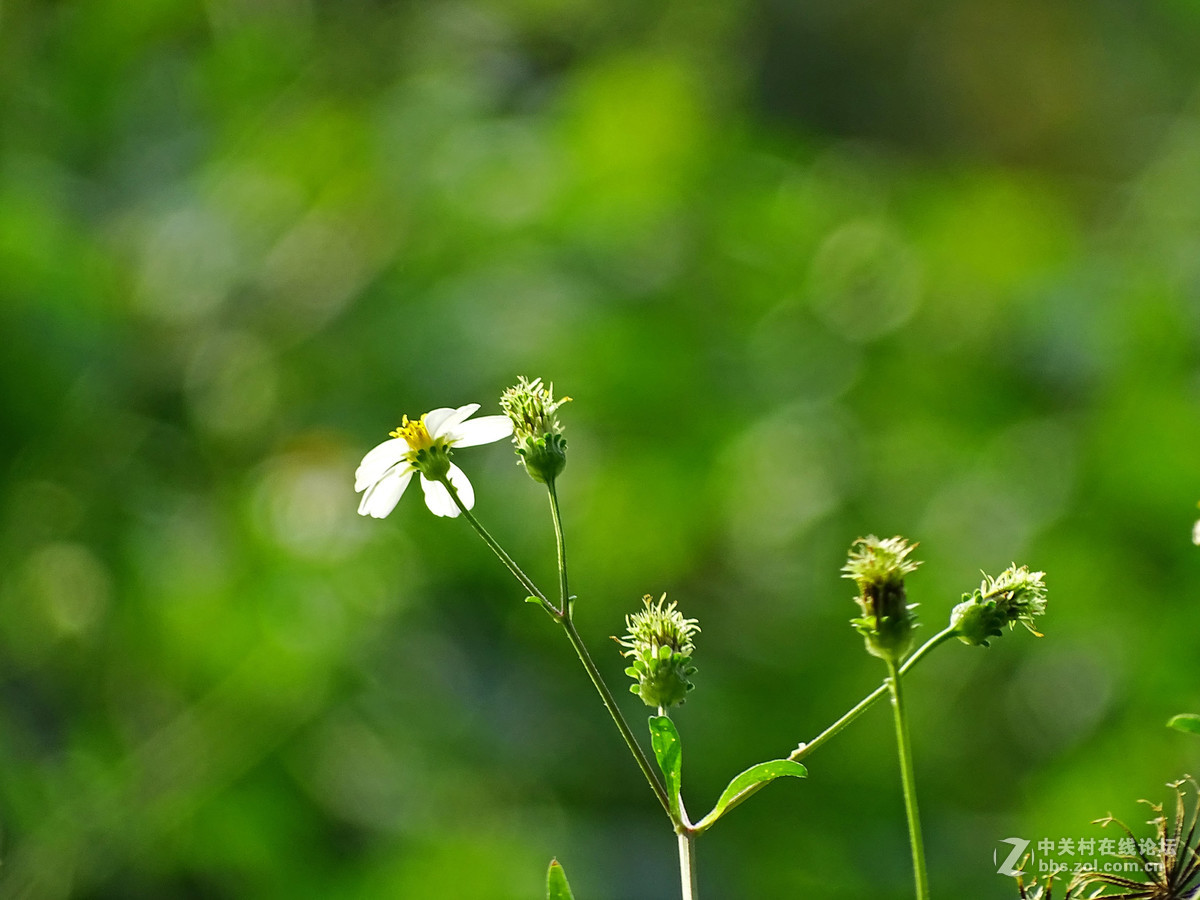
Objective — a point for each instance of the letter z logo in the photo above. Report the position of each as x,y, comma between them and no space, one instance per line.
1009,866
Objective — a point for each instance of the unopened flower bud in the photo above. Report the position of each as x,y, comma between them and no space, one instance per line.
659,643
878,568
537,434
1015,595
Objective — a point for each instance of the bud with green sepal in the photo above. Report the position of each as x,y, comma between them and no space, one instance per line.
537,434
1015,595
878,568
659,643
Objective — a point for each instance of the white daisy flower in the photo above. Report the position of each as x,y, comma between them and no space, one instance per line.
423,445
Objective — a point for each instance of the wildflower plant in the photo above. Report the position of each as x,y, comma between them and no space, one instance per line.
537,433
659,644
424,445
1015,595
878,568
887,623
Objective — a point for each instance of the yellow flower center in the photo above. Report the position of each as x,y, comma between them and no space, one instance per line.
429,456
415,433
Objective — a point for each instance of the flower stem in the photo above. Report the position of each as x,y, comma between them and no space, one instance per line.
940,638
687,865
687,835
639,755
526,581
564,595
909,782
862,706
563,618
868,701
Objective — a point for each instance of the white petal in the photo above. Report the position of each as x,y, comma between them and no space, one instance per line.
438,499
382,496
378,460
440,421
483,430
435,417
462,484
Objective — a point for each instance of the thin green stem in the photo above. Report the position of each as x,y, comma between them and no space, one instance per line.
868,701
526,581
909,782
564,595
940,638
687,835
614,711
687,865
568,624
563,618
862,706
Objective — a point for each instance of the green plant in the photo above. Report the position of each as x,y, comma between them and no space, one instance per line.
660,641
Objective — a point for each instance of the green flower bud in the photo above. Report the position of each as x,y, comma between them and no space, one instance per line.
537,433
1015,595
659,643
878,568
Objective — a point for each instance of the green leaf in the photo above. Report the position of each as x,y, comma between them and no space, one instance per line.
556,883
668,750
1189,722
749,782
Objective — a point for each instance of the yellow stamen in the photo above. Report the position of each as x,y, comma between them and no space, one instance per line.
414,432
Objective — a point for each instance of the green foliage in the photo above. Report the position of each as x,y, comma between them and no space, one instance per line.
1188,723
557,887
668,750
746,782
804,278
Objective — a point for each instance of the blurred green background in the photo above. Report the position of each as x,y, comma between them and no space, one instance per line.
810,271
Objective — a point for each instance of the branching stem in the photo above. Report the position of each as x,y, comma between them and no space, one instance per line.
562,615
868,701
